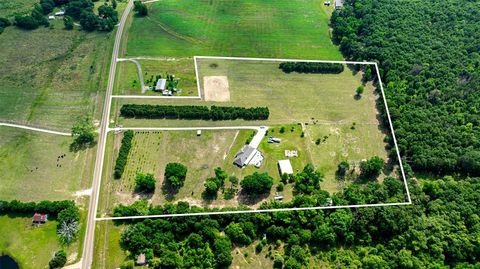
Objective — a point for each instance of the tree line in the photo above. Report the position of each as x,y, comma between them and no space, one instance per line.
121,161
428,59
80,10
311,67
193,112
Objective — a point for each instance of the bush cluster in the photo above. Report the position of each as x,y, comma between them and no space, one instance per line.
193,112
123,154
307,67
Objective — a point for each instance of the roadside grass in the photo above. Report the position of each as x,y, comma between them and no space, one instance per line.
51,76
107,252
128,81
31,168
31,246
253,28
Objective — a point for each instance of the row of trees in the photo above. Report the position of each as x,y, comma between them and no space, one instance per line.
311,67
121,161
193,112
429,60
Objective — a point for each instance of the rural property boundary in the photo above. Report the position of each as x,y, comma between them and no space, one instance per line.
219,212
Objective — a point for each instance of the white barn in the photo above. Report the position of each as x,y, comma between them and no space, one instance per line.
285,167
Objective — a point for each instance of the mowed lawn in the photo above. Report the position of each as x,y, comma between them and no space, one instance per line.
128,81
32,171
32,247
251,28
49,77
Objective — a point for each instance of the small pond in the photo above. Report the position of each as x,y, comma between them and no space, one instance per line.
6,262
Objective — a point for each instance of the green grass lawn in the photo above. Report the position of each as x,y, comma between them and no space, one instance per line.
50,76
253,28
31,172
128,81
31,246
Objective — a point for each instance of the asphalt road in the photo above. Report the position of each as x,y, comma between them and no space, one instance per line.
88,247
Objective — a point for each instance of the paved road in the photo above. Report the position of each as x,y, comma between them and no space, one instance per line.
139,71
88,247
34,129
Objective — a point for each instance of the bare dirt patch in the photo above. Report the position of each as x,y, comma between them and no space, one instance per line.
216,88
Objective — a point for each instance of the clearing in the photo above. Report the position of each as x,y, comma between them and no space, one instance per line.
32,170
215,88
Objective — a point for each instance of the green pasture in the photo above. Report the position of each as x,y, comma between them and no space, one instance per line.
291,98
32,171
127,81
253,28
50,76
107,251
31,246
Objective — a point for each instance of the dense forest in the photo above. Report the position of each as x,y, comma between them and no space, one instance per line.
442,229
428,55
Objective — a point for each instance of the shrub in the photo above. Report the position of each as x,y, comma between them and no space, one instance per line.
26,22
257,183
59,260
145,182
123,153
307,67
140,8
372,167
360,90
175,174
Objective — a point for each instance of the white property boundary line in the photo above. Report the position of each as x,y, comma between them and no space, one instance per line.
135,60
34,129
250,211
409,202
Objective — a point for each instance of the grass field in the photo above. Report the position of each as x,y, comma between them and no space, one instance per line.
127,81
107,252
32,247
31,171
49,77
291,98
254,28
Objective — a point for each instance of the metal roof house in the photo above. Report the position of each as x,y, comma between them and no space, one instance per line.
248,155
285,167
39,218
161,84
244,156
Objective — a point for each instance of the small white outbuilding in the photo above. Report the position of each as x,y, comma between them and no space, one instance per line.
285,167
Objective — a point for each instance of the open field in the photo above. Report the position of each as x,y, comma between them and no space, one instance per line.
32,171
291,98
128,81
49,77
32,247
9,9
108,253
253,28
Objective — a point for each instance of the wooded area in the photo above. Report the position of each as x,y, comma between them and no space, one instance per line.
428,55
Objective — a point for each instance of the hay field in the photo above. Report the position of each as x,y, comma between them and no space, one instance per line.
252,28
